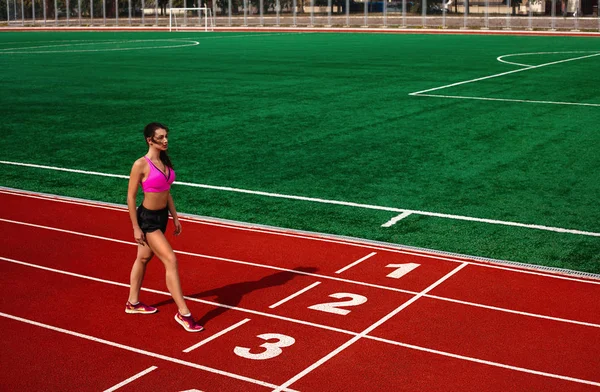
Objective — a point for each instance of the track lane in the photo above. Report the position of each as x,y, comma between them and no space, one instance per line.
115,266
543,345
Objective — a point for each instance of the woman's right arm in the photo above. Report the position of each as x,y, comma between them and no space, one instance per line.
137,173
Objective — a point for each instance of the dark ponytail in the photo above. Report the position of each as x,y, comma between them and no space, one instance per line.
149,131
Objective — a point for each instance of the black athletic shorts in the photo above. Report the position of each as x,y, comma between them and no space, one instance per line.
152,220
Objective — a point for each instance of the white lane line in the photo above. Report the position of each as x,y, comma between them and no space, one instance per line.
418,254
396,219
366,331
139,351
192,299
304,290
356,262
326,201
325,327
213,337
498,264
308,274
217,258
485,362
131,379
535,315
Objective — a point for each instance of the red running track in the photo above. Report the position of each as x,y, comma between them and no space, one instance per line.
283,310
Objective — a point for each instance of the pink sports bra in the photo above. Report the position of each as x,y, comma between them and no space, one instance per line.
157,181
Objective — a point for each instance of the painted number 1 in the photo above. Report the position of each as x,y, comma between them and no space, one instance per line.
401,269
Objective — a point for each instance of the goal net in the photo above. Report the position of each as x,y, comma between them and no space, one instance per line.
181,18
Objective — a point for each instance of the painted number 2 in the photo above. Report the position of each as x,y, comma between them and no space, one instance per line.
271,349
333,307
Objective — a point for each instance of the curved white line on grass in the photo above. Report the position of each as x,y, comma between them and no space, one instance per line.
500,58
325,201
178,43
504,74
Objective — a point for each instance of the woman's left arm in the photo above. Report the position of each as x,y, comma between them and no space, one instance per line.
171,206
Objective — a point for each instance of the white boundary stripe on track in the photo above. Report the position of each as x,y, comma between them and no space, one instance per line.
367,331
292,271
131,379
326,201
213,337
297,293
356,263
308,273
330,238
325,327
527,68
139,351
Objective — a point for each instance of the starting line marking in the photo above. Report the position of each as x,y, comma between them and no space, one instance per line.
130,379
356,263
367,331
294,295
213,337
419,348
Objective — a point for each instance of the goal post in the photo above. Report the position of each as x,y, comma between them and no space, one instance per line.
180,18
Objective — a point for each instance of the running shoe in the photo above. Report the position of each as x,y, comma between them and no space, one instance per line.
188,323
139,308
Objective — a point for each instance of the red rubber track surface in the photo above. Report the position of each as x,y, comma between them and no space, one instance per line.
450,324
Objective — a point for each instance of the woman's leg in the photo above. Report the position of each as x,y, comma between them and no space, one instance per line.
144,255
161,247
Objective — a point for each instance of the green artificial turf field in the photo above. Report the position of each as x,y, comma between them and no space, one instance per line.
325,129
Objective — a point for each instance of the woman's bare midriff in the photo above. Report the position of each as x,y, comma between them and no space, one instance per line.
155,200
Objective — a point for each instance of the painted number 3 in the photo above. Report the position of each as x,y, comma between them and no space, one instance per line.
271,349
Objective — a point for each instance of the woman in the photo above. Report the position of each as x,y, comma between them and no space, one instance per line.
155,173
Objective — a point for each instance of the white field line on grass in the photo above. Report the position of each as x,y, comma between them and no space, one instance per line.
138,351
318,276
131,379
501,58
319,237
322,201
26,50
364,333
508,100
527,68
325,327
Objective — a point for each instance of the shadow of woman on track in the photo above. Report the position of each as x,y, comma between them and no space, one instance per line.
231,294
